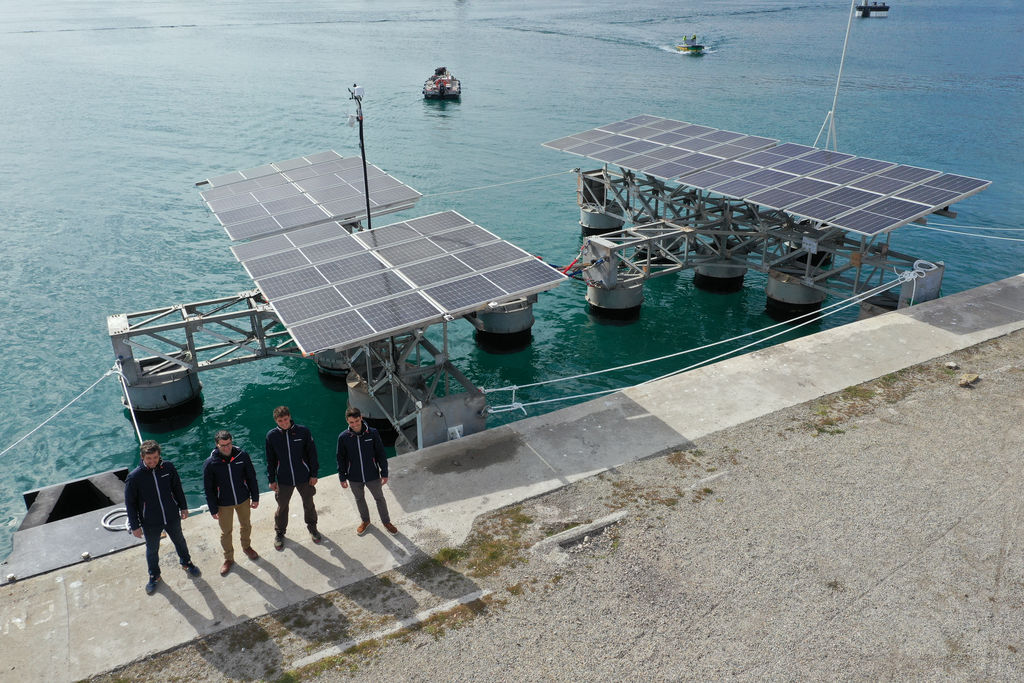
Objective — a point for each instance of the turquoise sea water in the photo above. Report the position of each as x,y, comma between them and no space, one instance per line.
110,111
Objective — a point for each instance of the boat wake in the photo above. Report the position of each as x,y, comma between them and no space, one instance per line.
673,50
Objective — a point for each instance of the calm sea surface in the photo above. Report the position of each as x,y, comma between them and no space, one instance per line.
110,111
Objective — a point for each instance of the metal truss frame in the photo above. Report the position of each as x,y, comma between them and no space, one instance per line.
677,227
403,375
240,329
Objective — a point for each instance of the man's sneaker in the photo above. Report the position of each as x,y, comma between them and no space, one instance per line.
151,586
392,529
317,538
361,529
191,570
250,553
279,542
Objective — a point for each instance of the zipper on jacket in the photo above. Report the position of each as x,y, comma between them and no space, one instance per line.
359,447
288,443
231,480
160,499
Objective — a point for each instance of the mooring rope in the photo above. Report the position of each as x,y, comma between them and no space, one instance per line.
510,182
65,407
119,370
918,270
972,234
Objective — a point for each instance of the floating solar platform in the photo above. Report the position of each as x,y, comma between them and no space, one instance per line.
336,290
858,194
299,192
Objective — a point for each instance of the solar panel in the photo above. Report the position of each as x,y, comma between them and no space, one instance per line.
857,193
335,290
456,295
286,195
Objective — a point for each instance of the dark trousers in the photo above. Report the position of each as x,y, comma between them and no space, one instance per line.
152,534
283,495
377,491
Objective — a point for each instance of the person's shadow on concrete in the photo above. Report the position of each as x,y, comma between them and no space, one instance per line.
382,595
277,595
400,547
220,617
220,652
349,571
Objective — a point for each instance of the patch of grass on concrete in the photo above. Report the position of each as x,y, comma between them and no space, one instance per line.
498,541
447,557
438,624
858,393
246,635
348,661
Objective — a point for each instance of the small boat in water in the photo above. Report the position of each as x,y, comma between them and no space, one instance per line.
690,46
442,85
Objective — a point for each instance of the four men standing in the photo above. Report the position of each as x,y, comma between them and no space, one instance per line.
155,500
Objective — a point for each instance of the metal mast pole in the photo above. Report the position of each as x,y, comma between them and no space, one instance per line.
830,117
356,93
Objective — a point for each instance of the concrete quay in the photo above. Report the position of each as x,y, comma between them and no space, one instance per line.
94,616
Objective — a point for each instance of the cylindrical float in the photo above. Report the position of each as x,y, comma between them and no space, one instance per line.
332,364
788,297
505,326
593,221
622,303
167,392
719,277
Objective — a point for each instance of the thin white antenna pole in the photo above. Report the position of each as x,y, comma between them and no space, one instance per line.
830,117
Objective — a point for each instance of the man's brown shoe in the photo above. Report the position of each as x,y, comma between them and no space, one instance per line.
251,554
226,567
392,529
361,529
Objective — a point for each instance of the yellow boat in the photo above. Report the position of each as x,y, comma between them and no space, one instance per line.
690,46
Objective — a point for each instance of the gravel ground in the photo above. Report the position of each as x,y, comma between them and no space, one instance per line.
871,534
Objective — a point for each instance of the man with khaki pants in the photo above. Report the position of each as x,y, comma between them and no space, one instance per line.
229,480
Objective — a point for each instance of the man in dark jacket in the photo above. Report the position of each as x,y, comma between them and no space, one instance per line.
229,480
291,465
363,463
155,502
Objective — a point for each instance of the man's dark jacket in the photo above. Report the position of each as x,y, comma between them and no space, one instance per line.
229,479
361,455
291,455
154,497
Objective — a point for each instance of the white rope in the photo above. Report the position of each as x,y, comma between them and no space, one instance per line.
787,324
973,227
849,302
127,398
66,406
918,270
971,234
510,182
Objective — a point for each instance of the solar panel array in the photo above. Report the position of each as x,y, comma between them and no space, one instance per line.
859,194
335,290
290,194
